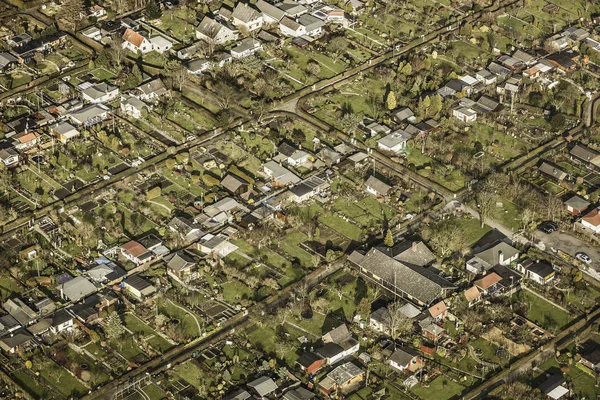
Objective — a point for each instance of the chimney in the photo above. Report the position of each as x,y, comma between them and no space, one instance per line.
414,247
500,257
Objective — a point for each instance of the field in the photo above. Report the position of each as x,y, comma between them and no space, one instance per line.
542,312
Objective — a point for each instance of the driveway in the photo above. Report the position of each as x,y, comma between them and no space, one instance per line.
569,244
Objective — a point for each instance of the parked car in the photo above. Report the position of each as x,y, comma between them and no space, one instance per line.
548,227
583,258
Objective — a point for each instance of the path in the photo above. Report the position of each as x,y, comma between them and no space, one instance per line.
543,298
479,360
161,205
187,312
302,329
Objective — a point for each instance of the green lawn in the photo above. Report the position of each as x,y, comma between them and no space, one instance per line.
290,246
191,372
344,228
186,320
62,380
542,312
28,382
441,388
235,291
137,326
584,386
473,229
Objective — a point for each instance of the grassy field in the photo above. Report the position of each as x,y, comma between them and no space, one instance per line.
341,226
291,247
441,388
58,377
543,312
473,229
136,325
186,320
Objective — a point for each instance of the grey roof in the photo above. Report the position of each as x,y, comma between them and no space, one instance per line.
5,154
292,9
17,338
542,267
552,383
98,90
245,44
523,57
270,10
209,27
487,103
379,186
413,253
402,113
281,174
421,283
345,373
298,394
403,355
491,254
239,394
263,386
134,101
245,13
7,58
310,22
577,203
181,261
553,171
197,64
585,153
155,86
88,113
395,138
137,282
77,288
233,182
498,69
63,128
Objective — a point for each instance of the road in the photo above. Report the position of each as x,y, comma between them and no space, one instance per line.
570,245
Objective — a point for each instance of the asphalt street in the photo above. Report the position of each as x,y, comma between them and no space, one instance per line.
570,245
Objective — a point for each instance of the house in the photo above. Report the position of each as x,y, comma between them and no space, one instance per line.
135,42
292,9
239,394
431,330
263,386
7,61
511,63
188,52
138,286
591,220
247,17
591,359
19,311
25,140
564,61
553,172
61,321
90,115
473,295
379,319
160,44
420,285
394,142
187,229
525,58
342,379
338,344
98,93
488,284
270,13
196,67
406,360
576,205
19,342
136,252
554,387
215,32
181,264
105,271
438,311
151,90
372,128
540,271
310,363
298,394
64,131
329,156
9,157
310,187
246,47
305,25
280,176
97,11
559,42
464,114
586,155
8,324
76,289
500,253
88,311
486,77
403,114
219,245
298,157
132,106
498,70
487,104
377,187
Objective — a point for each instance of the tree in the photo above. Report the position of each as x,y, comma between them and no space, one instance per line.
486,198
389,239
134,78
72,12
313,68
337,47
436,105
153,10
350,123
406,70
445,237
117,52
114,326
395,322
391,100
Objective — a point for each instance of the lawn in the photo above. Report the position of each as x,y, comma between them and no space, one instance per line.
62,380
189,328
473,229
26,380
191,372
542,312
265,339
291,246
584,386
137,326
341,226
508,215
441,388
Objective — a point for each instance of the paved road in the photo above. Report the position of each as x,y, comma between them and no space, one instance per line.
570,245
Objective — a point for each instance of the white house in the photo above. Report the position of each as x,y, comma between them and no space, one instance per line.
136,252
591,220
160,44
394,142
246,48
196,67
540,271
215,32
61,321
90,115
270,13
304,25
405,359
99,93
486,77
376,187
132,106
9,157
247,17
464,114
136,42
299,157
96,11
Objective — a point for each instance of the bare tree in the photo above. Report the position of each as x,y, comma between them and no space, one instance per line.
117,50
395,322
486,199
445,237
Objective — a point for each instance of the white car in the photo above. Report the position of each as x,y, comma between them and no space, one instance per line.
583,258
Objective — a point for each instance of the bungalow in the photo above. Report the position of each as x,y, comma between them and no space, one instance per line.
181,265
136,252
438,311
372,128
486,77
473,295
132,106
20,311
406,360
25,140
135,42
9,157
270,13
215,32
394,142
305,25
196,67
64,131
420,285
138,286
576,205
234,184
377,187
263,386
160,44
239,394
588,156
591,220
188,52
280,176
464,114
591,359
217,245
298,157
525,58
151,90
187,229
247,17
338,344
105,271
19,342
564,60
8,324
96,11
310,187
498,70
310,363
91,115
76,289
342,379
500,253
298,394
403,114
553,172
487,104
540,271
245,48
554,387
292,9
488,284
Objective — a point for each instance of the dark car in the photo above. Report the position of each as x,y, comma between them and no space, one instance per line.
548,227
